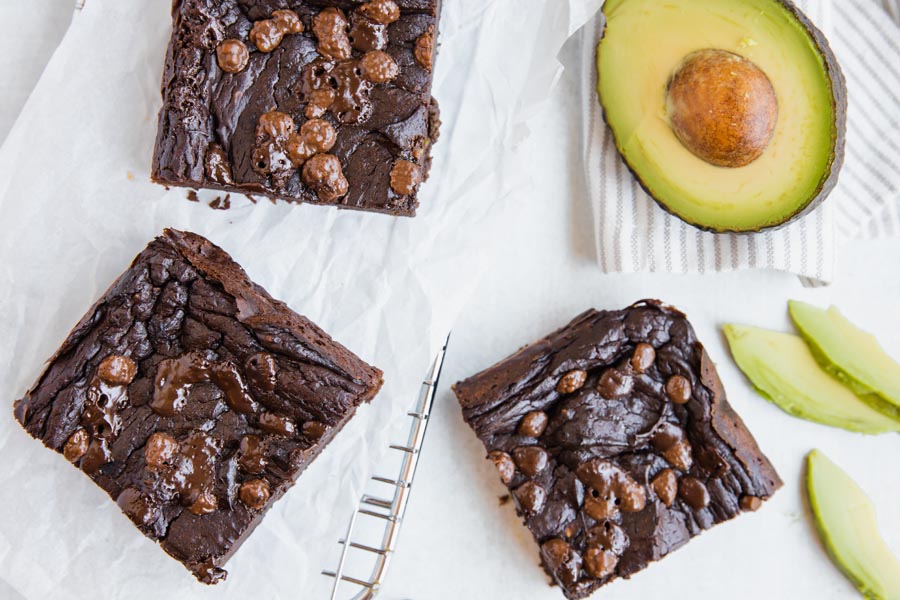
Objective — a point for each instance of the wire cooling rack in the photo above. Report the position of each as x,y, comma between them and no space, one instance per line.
373,530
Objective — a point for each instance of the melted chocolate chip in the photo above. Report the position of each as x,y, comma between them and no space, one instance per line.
97,455
405,177
693,492
381,11
262,371
531,460
530,497
612,489
194,473
678,389
349,91
277,424
424,49
318,135
217,166
266,35
599,563
572,381
643,358
176,376
160,451
378,67
330,28
324,175
367,35
232,56
608,536
671,441
319,101
251,455
750,503
314,430
534,424
76,445
561,560
615,384
275,126
665,485
505,465
138,508
288,21
117,370
254,493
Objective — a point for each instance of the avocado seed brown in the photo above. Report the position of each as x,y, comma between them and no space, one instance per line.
722,107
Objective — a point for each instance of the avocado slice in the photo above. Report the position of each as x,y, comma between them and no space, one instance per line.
730,113
783,370
845,520
850,354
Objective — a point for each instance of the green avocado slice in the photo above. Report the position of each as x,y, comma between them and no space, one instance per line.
783,370
715,168
850,354
845,520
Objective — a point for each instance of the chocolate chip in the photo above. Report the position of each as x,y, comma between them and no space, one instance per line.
534,424
678,388
424,49
750,503
571,381
314,430
323,173
405,177
233,56
266,35
561,561
97,455
261,369
251,455
505,465
160,450
693,492
615,384
665,485
643,358
318,135
530,497
378,67
297,150
277,424
330,27
205,503
217,167
288,21
274,125
366,35
381,11
670,440
531,460
254,493
612,489
599,563
319,102
117,370
609,536
271,159
76,445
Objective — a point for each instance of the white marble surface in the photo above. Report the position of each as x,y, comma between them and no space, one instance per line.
457,542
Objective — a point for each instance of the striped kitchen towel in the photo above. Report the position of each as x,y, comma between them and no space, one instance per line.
633,234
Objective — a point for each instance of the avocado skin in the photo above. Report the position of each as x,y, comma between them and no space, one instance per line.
839,131
868,394
862,556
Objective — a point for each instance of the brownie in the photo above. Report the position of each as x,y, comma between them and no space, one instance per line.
194,399
320,101
616,441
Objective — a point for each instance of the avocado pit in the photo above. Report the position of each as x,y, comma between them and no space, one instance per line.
722,107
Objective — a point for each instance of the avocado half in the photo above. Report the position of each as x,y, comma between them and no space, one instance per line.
845,520
730,113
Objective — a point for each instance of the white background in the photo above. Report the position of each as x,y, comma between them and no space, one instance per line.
457,542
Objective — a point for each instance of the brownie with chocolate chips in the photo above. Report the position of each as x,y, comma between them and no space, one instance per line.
194,399
320,101
616,441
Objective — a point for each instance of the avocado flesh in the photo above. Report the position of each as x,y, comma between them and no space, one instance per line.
645,41
783,370
845,520
850,354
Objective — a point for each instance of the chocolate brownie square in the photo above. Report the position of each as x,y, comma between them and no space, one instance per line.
321,101
194,399
616,441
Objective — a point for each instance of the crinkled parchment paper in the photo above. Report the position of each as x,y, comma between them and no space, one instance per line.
77,205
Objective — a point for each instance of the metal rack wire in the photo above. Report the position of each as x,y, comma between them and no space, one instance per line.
379,519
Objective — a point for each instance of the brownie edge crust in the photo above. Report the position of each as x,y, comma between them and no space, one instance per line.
194,399
616,441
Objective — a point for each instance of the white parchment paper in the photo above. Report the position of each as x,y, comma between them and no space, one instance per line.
76,205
